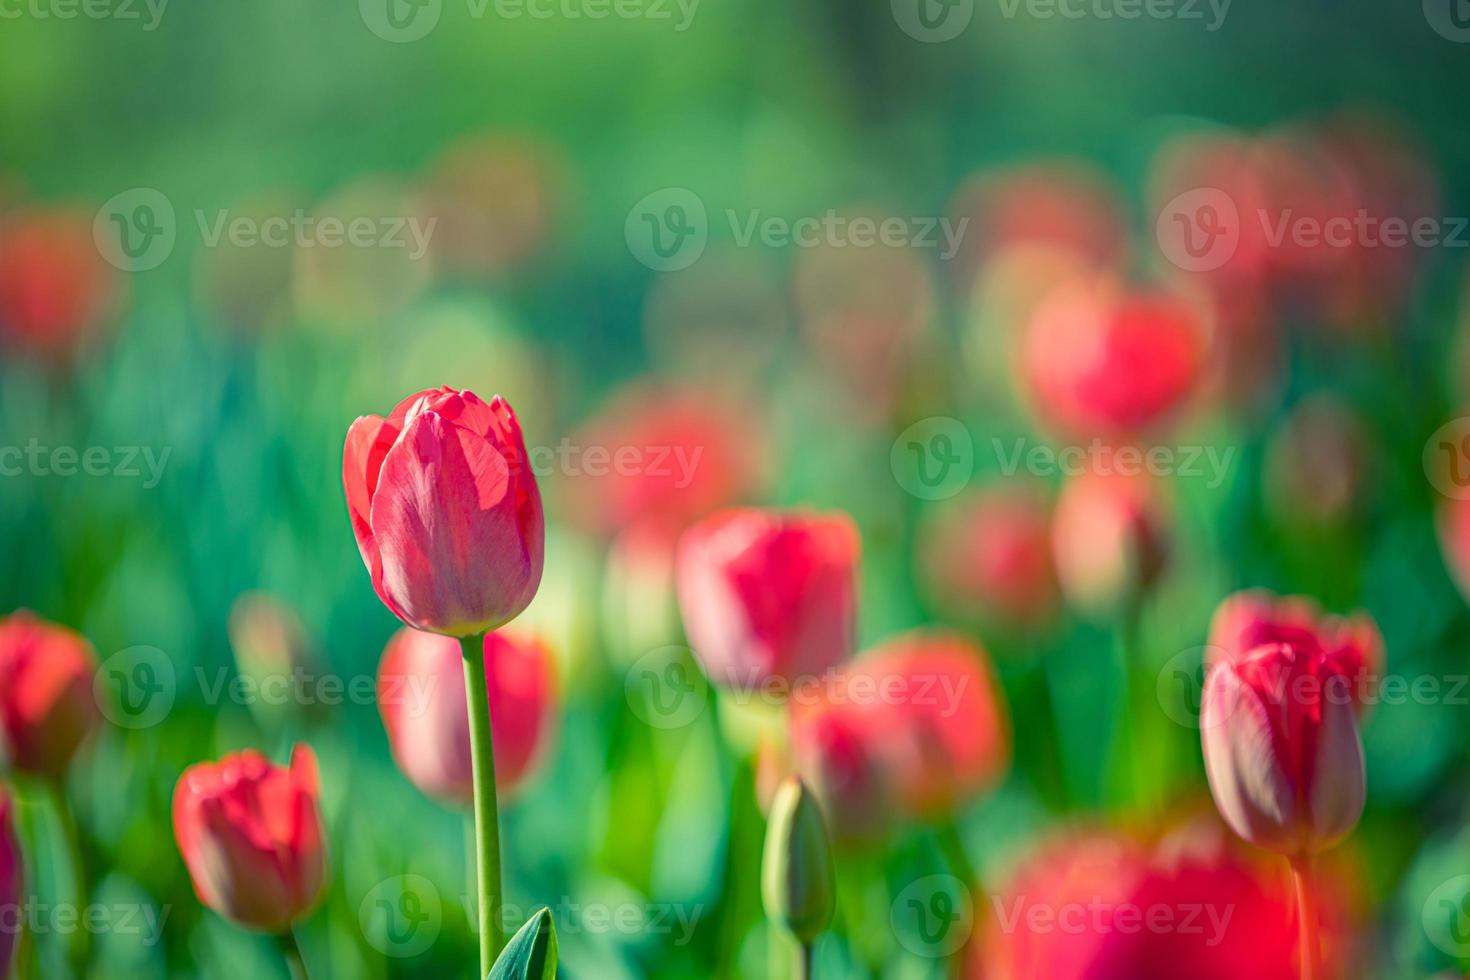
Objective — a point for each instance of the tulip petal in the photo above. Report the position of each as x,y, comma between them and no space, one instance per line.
1338,787
1246,774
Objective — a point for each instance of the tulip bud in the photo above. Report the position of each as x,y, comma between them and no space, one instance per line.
47,707
422,699
1109,540
767,595
12,870
446,511
797,881
251,835
1279,730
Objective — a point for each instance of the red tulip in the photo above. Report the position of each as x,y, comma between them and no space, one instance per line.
1097,907
990,554
12,877
768,595
1109,539
1279,729
1101,360
54,284
251,835
422,699
1353,647
836,748
47,707
446,511
1453,525
669,457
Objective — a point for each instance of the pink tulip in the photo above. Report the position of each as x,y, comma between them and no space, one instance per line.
1352,646
446,511
251,835
1279,728
47,707
12,877
421,695
768,595
836,748
1104,360
1109,539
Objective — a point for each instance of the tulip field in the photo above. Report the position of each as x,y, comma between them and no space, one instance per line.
680,489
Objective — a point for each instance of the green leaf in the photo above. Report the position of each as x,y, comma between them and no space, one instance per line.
531,952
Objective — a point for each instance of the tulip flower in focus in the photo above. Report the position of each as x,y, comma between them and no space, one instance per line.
1284,758
990,555
1103,360
797,881
12,877
421,694
446,511
47,706
1109,539
55,287
251,835
768,595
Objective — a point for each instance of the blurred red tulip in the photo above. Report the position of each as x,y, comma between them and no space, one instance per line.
673,456
1102,360
1453,525
422,699
768,595
915,727
47,707
12,879
251,835
1353,647
989,555
1109,539
1098,907
55,286
1282,751
446,511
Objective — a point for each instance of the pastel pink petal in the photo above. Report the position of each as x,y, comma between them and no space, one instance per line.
1339,786
368,441
448,530
245,875
1251,786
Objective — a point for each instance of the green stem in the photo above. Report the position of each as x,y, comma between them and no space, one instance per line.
803,967
964,869
79,949
291,953
1306,913
487,817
